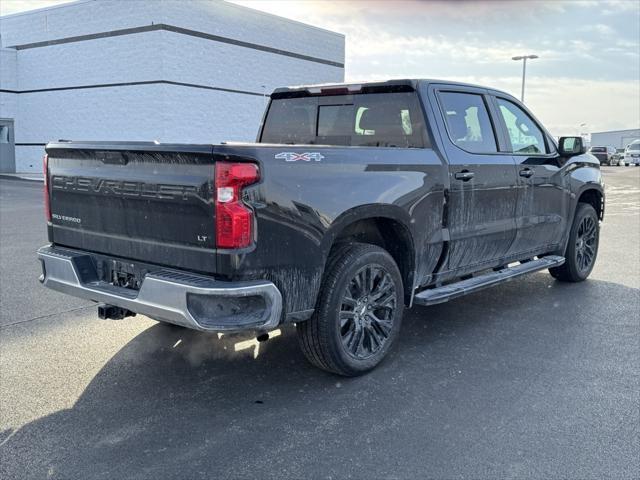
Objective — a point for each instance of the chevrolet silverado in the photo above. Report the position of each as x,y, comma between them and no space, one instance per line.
356,201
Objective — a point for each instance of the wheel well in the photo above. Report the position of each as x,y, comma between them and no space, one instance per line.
390,235
593,198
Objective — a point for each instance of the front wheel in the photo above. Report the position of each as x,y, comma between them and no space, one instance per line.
358,312
582,249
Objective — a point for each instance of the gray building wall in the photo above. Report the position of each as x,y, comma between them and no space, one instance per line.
170,70
615,138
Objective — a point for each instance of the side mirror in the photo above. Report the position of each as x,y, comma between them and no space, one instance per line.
570,146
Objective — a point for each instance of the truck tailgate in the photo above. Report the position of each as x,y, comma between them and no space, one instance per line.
139,201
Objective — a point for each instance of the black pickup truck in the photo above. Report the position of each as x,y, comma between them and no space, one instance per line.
356,202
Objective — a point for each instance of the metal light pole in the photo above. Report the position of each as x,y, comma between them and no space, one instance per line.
584,133
524,70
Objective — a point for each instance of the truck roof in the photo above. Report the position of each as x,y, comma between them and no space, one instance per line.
398,85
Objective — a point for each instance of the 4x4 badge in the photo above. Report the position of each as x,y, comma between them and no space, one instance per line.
294,157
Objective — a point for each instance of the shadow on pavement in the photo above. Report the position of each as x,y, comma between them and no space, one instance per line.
174,403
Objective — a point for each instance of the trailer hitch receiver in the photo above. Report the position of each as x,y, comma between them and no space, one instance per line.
111,312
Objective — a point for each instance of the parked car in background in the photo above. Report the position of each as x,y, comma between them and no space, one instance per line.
632,153
618,157
603,154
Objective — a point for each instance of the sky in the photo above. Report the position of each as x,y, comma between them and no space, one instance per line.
587,78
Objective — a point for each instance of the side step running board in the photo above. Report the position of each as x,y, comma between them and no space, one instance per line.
445,293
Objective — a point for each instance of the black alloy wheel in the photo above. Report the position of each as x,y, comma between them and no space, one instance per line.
582,248
358,311
367,311
586,243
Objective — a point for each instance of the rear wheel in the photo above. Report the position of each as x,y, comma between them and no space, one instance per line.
582,249
358,313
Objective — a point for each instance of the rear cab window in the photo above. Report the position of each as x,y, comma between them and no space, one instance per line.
468,122
393,119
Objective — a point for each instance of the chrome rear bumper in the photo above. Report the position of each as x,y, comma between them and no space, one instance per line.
193,301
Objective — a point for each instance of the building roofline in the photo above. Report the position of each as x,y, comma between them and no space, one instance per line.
72,3
289,20
618,131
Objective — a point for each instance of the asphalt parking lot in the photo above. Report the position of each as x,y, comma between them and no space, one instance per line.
531,379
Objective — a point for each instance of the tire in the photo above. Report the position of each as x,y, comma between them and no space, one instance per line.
354,325
582,249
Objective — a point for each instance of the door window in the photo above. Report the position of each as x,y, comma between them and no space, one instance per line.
468,122
525,135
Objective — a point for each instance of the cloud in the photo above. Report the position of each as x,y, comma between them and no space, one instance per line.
565,103
614,7
628,44
379,44
598,28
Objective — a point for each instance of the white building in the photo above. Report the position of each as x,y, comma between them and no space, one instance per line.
192,71
615,138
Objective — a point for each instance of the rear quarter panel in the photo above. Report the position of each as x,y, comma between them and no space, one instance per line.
302,206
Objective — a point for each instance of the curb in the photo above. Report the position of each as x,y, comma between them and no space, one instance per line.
21,179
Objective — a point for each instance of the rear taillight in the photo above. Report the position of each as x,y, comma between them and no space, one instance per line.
234,220
47,198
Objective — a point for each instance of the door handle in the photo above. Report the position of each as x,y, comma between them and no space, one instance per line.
464,175
526,173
